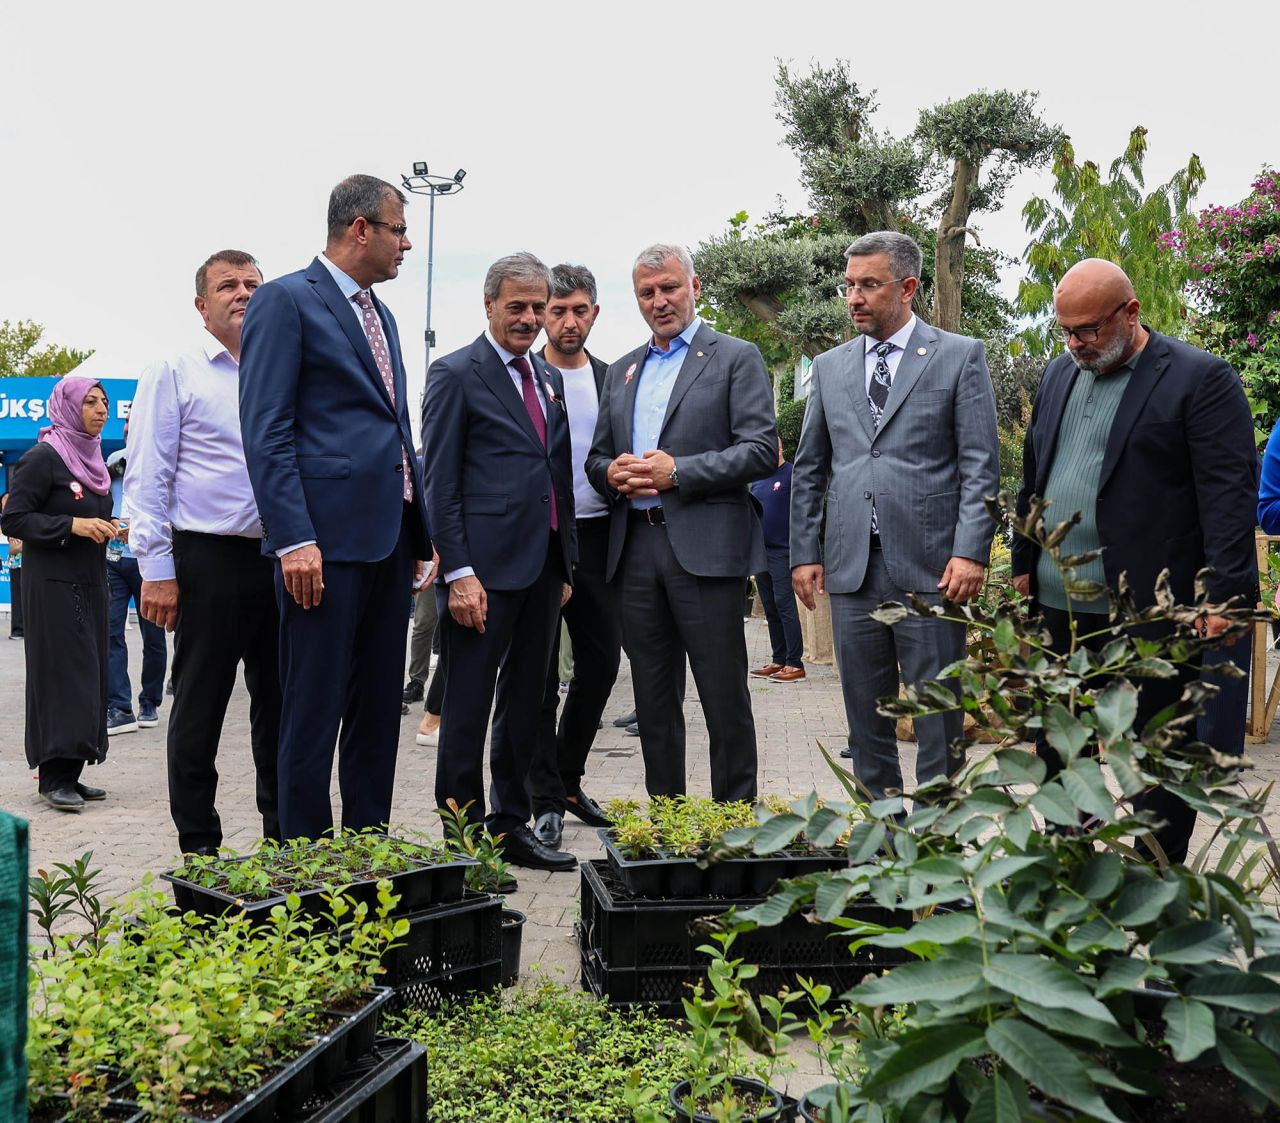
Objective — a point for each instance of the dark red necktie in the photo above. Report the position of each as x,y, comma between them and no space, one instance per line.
534,408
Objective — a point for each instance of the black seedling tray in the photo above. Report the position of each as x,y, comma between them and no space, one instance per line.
448,950
387,1085
671,877
430,884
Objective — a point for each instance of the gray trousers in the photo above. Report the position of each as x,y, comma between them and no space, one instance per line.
869,655
425,616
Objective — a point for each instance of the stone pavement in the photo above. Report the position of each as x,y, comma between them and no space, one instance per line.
131,832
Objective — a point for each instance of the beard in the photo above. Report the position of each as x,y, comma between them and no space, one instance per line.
570,346
1104,359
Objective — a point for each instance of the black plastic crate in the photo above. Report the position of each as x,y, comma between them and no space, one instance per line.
387,1085
448,950
678,877
351,1036
637,950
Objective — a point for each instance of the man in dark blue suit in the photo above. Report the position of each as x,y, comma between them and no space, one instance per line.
500,497
328,447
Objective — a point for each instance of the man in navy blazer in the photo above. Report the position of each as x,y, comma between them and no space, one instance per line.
1151,440
500,497
328,446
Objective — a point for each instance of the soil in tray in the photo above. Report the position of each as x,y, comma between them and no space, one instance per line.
1197,1094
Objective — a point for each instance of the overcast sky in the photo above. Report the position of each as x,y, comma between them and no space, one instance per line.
137,138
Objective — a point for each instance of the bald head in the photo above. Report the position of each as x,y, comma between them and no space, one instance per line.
1095,299
1093,278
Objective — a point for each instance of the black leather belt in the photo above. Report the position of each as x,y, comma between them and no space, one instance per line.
875,542
651,515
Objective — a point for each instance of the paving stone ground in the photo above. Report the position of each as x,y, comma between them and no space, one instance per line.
130,833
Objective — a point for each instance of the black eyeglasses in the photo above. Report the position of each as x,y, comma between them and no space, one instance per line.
399,229
1089,334
844,288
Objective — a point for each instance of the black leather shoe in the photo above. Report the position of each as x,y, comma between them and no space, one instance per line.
847,753
549,829
520,848
65,798
582,806
87,792
625,720
203,852
633,730
413,692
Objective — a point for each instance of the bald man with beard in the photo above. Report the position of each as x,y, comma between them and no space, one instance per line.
1151,440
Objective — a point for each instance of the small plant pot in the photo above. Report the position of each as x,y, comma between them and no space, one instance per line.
512,937
813,1108
769,1097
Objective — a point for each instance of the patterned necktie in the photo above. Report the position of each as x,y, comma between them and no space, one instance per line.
534,409
878,395
881,380
378,345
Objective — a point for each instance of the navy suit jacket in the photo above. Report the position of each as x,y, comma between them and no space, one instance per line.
489,478
1179,475
322,441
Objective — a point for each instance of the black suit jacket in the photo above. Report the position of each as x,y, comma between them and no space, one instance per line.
1179,477
489,478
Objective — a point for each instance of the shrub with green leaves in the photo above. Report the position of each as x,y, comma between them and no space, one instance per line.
540,1056
679,826
186,1007
1055,963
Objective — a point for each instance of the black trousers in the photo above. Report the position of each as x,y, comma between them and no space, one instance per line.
15,601
1153,696
595,631
503,668
59,772
667,613
226,615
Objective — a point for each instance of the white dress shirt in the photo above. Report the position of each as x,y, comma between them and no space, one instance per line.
185,468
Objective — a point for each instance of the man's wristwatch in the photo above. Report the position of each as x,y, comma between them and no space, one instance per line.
675,475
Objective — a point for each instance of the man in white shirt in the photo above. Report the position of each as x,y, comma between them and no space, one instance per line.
196,536
591,614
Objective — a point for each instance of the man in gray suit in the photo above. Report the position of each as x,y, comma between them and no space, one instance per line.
900,440
686,423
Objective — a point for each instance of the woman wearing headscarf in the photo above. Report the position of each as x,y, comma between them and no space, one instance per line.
60,506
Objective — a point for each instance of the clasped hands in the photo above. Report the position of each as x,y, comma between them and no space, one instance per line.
641,475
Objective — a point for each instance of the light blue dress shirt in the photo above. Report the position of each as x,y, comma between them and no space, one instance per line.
657,379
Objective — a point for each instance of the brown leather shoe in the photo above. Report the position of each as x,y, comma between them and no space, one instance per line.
788,674
768,670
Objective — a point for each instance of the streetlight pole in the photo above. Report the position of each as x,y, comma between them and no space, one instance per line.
423,183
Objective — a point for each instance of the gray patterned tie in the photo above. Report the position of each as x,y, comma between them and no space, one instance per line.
878,396
881,380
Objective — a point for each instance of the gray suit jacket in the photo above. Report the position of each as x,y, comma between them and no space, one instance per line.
929,465
721,430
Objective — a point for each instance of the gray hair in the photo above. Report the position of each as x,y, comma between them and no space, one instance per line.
657,255
905,258
358,196
566,279
520,266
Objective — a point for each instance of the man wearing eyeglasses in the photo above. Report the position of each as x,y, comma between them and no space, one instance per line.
325,418
1151,441
898,451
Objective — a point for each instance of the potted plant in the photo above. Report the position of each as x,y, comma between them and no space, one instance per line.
680,847
1071,976
725,1026
422,873
180,1015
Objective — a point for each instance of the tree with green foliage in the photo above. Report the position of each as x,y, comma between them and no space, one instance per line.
1115,218
1233,254
958,160
21,354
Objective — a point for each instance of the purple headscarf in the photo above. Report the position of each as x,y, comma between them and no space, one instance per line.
81,453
